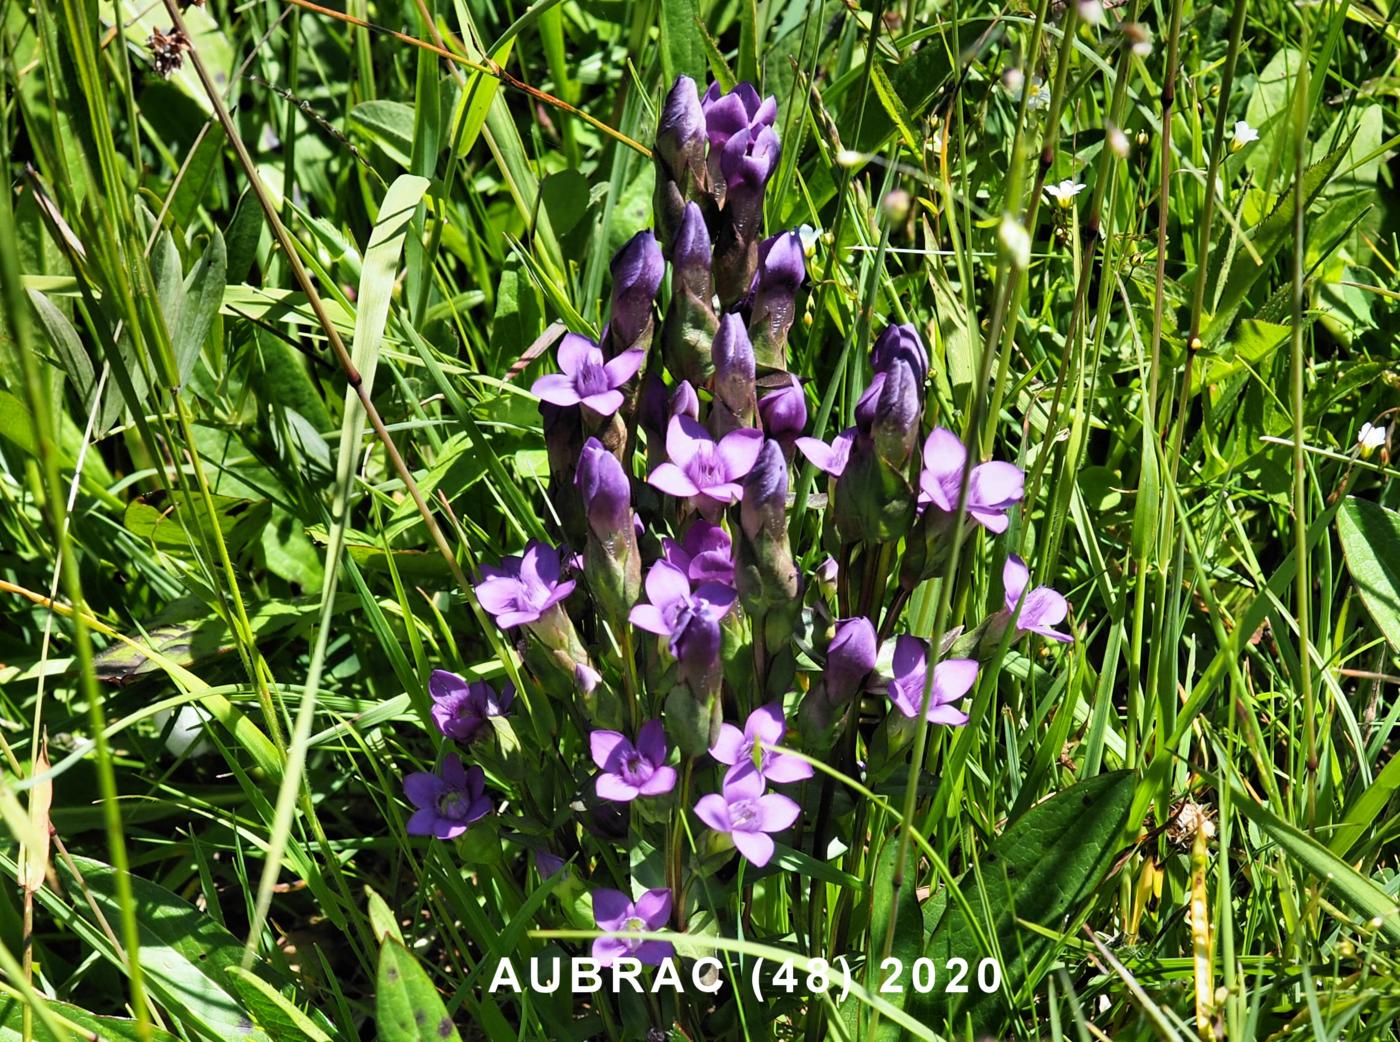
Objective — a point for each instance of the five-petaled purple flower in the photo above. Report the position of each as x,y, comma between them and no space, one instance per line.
678,612
446,802
587,378
763,730
631,770
952,679
460,708
747,814
614,911
1042,607
522,588
706,554
703,470
993,488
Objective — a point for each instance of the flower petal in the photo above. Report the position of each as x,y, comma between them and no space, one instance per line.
445,829
573,352
556,388
446,684
654,908
670,479
667,585
611,909
423,789
611,787
713,811
654,953
767,724
756,846
662,781
742,786
603,744
1042,609
776,812
952,679
605,403
1014,577
607,950
684,437
648,617
727,746
782,769
651,742
421,822
946,715
624,367
738,451
996,485
500,595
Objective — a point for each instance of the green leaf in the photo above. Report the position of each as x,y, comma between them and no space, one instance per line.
107,1029
681,48
1370,537
1364,896
389,124
272,1010
407,1006
381,917
1040,870
204,295
66,345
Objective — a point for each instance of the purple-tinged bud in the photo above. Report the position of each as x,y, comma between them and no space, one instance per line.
691,323
782,268
900,341
680,158
763,509
748,161
898,412
849,659
612,562
732,354
764,570
784,410
563,437
653,406
868,403
587,678
684,402
606,492
637,269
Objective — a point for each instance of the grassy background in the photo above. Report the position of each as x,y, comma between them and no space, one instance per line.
1183,375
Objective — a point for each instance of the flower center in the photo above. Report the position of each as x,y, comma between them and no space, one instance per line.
743,815
590,379
635,769
453,804
634,923
706,468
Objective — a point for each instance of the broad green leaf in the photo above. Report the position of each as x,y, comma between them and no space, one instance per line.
203,296
1253,341
1363,896
67,345
407,1006
682,51
1370,537
1040,870
389,124
381,917
80,1024
274,1011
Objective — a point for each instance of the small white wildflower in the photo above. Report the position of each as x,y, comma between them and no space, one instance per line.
1118,142
1064,192
1091,11
1243,135
810,237
1371,437
1015,240
1040,97
1139,37
1014,80
849,157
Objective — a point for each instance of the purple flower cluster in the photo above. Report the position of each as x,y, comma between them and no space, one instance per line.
689,601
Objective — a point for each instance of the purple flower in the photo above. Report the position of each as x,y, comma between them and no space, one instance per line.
615,912
784,410
684,401
744,812
680,614
702,470
548,864
636,276
849,658
782,267
952,679
631,770
461,709
830,458
606,492
740,109
732,354
523,588
448,802
680,135
691,253
706,554
902,341
763,730
1042,607
747,160
993,488
898,412
587,378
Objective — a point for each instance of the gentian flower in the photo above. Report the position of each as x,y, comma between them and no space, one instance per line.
637,269
702,470
952,679
613,563
631,770
783,410
1042,607
523,588
850,657
829,458
462,708
782,268
705,554
763,730
900,341
732,354
740,109
744,812
614,911
587,378
689,330
679,156
447,802
993,488
679,613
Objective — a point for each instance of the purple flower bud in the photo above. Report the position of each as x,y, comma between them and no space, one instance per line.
782,268
763,510
767,576
652,409
548,864
732,354
680,135
684,402
690,254
636,276
849,659
606,492
898,412
900,341
784,410
586,678
691,323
